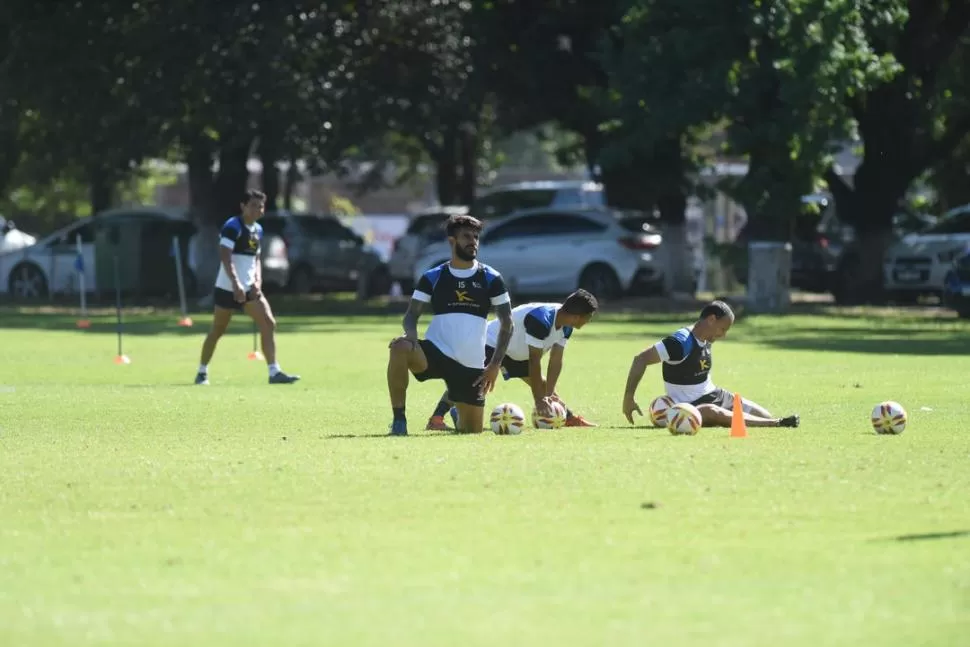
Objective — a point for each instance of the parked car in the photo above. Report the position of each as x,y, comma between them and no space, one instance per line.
12,238
503,200
426,227
140,238
324,254
918,264
555,251
956,285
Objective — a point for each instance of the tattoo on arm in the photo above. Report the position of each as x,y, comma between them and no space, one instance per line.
504,314
415,308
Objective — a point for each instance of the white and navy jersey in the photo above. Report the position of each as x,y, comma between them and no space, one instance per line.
534,327
686,365
244,241
460,301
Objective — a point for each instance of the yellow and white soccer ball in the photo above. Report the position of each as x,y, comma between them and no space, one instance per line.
554,421
658,410
683,419
889,418
507,419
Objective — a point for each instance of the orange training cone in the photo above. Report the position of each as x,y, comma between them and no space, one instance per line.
83,323
739,429
122,359
185,322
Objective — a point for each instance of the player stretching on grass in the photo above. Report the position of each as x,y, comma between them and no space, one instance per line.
538,328
238,287
461,293
686,357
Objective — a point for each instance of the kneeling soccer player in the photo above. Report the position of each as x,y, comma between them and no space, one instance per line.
538,328
461,293
686,357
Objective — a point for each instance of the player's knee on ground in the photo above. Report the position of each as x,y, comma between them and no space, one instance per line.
714,416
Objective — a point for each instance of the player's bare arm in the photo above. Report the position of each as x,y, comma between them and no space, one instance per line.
637,369
410,322
554,369
503,313
225,256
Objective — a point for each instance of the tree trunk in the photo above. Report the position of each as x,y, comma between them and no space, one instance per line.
469,165
233,177
289,184
203,259
675,252
102,189
447,168
269,155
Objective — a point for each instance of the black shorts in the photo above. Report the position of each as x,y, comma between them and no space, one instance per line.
511,368
717,397
459,378
225,299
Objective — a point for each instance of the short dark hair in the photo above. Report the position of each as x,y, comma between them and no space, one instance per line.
458,222
717,308
253,193
580,302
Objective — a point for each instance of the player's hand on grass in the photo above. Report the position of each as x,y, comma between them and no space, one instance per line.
544,406
629,406
238,293
486,381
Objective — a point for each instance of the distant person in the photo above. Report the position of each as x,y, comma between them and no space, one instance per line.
686,358
238,287
538,328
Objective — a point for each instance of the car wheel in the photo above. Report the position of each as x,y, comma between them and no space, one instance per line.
301,280
601,281
27,282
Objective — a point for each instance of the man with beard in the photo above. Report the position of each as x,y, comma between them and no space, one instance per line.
461,293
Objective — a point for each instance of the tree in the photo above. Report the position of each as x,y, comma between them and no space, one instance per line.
776,72
908,122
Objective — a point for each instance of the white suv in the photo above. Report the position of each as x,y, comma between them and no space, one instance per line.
555,251
918,263
503,200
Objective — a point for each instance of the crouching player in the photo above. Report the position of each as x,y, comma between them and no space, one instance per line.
460,292
686,358
538,328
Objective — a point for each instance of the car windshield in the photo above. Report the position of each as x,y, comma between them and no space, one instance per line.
431,225
500,203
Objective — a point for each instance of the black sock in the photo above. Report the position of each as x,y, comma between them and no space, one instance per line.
442,408
569,414
398,413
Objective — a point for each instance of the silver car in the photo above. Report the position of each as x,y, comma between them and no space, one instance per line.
426,227
555,251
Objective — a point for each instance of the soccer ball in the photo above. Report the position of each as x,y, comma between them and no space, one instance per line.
683,419
555,421
507,419
658,410
889,418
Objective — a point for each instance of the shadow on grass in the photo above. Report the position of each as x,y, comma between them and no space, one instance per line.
933,535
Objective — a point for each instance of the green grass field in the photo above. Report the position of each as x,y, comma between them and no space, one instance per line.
137,509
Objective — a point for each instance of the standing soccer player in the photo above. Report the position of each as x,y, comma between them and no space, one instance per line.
461,292
539,328
686,358
239,287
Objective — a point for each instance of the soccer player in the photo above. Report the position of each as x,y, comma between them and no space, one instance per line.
686,358
538,328
461,292
238,287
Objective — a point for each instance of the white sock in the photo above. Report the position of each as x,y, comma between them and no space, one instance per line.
274,368
203,369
